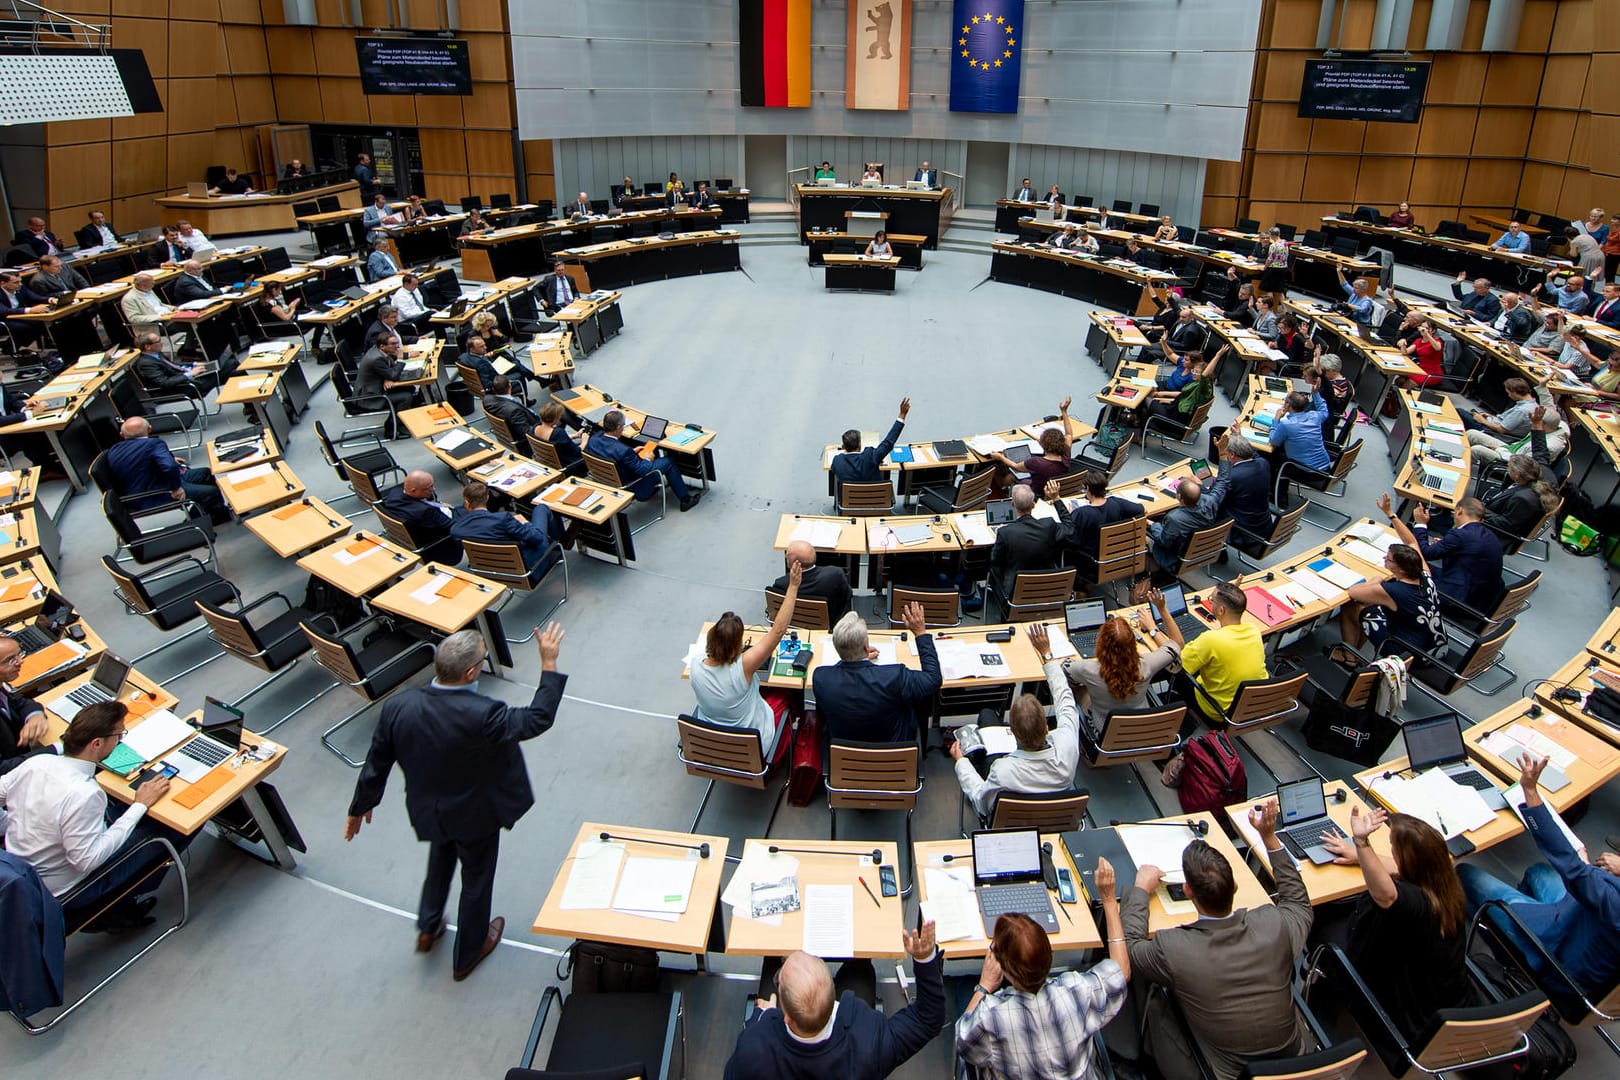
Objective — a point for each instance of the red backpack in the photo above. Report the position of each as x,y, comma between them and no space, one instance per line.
1211,775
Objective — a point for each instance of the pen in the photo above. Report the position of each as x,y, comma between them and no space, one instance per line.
869,891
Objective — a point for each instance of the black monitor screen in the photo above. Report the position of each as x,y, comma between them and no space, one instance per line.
414,66
1363,90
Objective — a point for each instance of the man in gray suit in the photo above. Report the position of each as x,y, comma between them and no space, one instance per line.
1232,972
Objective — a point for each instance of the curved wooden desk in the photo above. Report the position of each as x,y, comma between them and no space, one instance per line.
232,215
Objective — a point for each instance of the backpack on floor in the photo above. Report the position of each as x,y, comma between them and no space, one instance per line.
1551,1052
1208,775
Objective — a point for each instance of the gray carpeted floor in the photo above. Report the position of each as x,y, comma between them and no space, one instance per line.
313,973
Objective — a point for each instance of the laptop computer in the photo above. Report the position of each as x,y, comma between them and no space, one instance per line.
54,615
104,685
1007,877
220,737
916,185
1175,606
1303,820
1438,743
1082,621
998,512
651,430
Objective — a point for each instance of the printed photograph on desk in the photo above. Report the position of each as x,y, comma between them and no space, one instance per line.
769,898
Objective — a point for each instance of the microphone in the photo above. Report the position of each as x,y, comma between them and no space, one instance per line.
702,849
1199,828
875,853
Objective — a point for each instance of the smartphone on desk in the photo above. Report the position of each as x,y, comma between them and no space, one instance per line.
887,883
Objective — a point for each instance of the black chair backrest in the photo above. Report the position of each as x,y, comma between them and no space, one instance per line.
306,209
502,201
435,207
1122,205
328,204
471,202
1248,225
1084,200
276,259
1287,231
1148,209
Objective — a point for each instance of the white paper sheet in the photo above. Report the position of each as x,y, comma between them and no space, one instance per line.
829,920
452,439
757,864
428,591
1313,583
974,530
591,878
1450,807
1338,574
655,886
159,733
820,534
1364,551
969,659
1515,800
1155,845
998,739
1057,639
345,559
249,473
952,905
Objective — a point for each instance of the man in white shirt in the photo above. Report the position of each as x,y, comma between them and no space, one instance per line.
1041,763
1025,192
194,239
55,816
414,310
143,306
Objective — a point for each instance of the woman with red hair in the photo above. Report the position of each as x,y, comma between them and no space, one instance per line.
1117,677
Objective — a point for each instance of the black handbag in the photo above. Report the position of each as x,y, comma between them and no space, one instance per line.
599,968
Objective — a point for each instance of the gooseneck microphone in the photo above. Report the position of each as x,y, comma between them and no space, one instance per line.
701,849
1200,828
876,853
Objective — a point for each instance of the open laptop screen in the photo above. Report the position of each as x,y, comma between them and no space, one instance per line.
222,722
1433,742
653,427
1006,855
1301,801
1085,615
110,673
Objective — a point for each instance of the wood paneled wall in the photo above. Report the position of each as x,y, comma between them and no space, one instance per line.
224,68
1499,130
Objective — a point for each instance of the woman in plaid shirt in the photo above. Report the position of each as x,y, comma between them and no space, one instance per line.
1040,1027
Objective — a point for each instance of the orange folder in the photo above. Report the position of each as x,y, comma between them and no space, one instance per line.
453,588
210,783
287,513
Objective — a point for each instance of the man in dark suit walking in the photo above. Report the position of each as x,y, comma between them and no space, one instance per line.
465,781
875,702
1026,543
857,466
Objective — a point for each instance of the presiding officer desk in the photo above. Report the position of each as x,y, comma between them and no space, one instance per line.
911,212
616,263
1112,283
231,215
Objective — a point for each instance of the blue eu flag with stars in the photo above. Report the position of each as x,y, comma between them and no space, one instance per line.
986,48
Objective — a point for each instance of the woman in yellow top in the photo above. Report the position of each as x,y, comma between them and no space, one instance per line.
674,184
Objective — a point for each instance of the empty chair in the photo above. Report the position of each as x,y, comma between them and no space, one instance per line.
1247,225
503,562
328,204
471,202
372,657
865,500
1466,659
1122,206
147,546
971,494
941,607
363,483
1035,595
875,776
1130,737
1287,231
1321,482
272,646
723,754
166,596
1256,549
377,463
808,614
647,1041
1148,209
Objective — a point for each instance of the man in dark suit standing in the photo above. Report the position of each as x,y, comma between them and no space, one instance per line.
857,466
1026,543
416,505
871,702
465,781
828,583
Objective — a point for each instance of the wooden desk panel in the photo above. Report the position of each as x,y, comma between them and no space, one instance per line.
448,613
298,527
232,215
828,862
1597,761
851,533
380,562
250,494
688,934
1076,928
1325,884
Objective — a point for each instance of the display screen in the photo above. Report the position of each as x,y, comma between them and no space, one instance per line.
1363,90
414,66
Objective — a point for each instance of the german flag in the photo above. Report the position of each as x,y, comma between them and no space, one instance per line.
773,42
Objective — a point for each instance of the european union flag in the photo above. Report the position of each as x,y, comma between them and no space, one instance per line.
985,55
